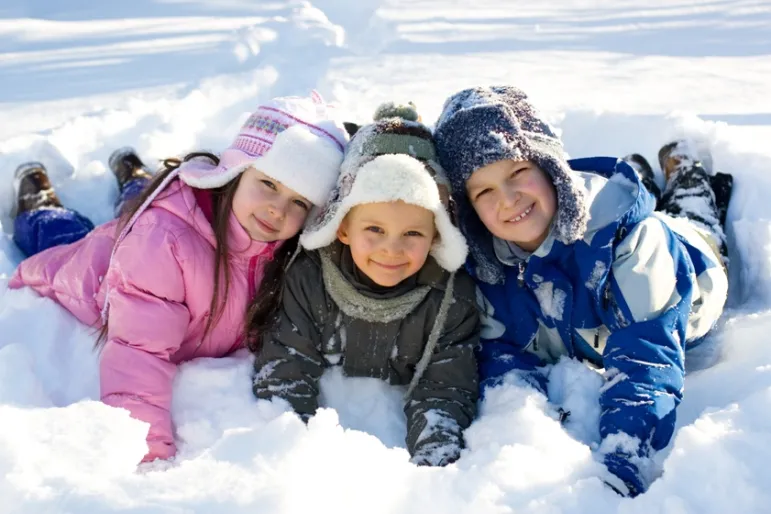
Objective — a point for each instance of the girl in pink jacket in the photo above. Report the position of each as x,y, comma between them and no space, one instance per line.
174,277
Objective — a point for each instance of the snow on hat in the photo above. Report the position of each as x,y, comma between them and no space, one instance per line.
291,139
483,125
389,160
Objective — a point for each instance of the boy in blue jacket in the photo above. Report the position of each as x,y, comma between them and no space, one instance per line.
572,259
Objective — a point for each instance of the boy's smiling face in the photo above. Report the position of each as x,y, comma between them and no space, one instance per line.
515,200
389,241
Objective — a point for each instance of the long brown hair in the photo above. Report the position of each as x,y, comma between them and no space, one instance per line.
222,199
263,312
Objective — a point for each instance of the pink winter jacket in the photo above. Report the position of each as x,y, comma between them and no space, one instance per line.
160,288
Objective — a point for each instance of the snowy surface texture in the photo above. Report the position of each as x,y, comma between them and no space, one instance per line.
79,78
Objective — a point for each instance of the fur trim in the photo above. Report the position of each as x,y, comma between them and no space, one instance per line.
302,161
299,159
201,173
389,178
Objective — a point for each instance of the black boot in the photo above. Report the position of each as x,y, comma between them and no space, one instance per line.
127,166
722,186
33,189
645,172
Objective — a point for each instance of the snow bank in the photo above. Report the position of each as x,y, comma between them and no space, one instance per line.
185,75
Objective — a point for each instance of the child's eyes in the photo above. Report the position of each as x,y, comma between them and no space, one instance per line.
413,233
482,193
269,184
375,229
302,205
517,171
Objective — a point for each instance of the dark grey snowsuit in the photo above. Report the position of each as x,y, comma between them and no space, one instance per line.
333,315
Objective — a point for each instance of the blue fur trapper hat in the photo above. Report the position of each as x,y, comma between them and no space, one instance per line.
483,125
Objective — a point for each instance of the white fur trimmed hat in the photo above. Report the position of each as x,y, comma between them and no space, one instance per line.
294,140
389,160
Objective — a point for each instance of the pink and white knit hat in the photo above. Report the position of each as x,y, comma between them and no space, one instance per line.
294,140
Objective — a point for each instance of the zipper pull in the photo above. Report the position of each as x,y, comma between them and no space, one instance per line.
597,339
521,274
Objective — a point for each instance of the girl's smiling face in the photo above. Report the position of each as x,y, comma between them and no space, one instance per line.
267,209
516,201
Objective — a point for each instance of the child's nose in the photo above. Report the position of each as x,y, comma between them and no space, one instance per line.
394,246
510,196
278,208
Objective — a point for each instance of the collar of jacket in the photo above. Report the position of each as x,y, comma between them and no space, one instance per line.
510,254
614,198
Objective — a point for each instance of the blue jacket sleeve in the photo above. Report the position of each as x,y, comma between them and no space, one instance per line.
498,354
644,364
651,288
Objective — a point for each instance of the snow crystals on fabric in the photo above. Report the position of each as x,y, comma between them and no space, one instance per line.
552,301
443,450
598,272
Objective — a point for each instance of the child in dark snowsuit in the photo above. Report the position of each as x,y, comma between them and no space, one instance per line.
572,260
378,292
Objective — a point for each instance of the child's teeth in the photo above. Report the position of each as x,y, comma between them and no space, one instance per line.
523,214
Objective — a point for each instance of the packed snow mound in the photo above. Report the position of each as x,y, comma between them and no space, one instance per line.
81,79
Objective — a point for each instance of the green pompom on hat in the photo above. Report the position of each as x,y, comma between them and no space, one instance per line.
406,111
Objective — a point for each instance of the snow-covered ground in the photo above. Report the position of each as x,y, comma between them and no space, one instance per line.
79,78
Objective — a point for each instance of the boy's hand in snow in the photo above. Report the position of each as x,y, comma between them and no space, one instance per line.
626,479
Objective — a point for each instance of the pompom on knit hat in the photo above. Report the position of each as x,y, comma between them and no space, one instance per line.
483,125
389,160
294,140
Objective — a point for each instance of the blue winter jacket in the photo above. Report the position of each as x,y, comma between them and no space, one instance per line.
628,298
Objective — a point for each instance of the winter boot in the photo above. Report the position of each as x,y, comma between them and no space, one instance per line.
679,155
689,192
645,172
670,157
722,186
127,167
33,189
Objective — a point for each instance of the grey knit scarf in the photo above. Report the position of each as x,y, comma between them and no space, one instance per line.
372,310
